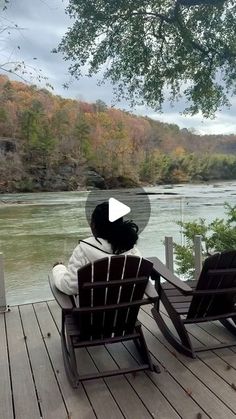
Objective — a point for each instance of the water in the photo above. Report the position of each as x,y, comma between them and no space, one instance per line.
38,229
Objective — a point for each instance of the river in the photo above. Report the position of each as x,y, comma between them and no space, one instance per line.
37,229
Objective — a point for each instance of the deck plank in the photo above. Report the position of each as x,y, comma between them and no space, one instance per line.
219,359
142,384
185,388
174,393
209,333
219,332
225,363
55,312
195,378
51,402
6,408
212,334
22,380
76,400
97,391
129,402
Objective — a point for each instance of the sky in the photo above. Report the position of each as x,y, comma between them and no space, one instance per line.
43,24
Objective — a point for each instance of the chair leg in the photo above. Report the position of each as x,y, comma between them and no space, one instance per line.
229,326
144,352
69,359
183,344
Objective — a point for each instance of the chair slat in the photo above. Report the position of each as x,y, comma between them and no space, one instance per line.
119,306
100,273
181,308
179,299
115,283
115,272
85,320
222,271
131,270
145,268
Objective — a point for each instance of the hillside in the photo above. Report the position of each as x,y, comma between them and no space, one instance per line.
52,143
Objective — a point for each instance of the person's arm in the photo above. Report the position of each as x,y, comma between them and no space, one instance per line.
66,279
150,290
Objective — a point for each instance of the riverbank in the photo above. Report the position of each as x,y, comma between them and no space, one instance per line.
97,182
71,177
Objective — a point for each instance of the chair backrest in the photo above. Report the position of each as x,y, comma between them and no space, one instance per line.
110,294
216,288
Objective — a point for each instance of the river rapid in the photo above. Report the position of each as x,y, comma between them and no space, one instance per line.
37,229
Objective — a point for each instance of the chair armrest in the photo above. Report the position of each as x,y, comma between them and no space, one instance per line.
65,301
164,272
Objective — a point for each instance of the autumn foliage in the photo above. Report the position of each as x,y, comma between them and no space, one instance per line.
49,143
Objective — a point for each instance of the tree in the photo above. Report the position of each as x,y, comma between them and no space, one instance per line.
154,49
36,131
16,67
100,106
82,132
217,236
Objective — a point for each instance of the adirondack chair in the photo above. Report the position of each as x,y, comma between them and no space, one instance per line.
211,297
110,294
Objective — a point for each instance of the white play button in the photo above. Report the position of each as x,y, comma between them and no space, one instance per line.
117,209
137,199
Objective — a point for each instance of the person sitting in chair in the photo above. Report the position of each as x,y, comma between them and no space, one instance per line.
109,238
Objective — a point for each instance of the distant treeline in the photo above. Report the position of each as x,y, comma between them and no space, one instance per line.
51,143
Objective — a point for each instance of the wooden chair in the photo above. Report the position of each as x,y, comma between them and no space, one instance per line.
212,297
110,294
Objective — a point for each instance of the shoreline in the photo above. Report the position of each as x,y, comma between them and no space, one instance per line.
169,185
163,191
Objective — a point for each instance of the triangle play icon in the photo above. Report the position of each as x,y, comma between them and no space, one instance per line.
117,209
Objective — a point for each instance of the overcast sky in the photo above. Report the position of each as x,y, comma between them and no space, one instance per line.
44,22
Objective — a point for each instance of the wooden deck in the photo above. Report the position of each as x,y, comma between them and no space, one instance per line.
33,384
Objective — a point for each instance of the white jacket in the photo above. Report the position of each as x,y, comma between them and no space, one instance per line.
66,279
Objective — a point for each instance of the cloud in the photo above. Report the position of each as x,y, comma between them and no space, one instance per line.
44,23
222,123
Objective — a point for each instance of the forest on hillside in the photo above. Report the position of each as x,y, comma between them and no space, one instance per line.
51,143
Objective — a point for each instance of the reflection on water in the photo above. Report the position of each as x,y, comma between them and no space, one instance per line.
38,229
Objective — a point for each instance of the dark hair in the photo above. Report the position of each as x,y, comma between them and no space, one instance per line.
122,235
